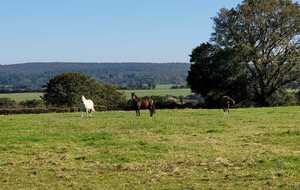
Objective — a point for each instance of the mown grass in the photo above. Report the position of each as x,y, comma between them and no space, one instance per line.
255,148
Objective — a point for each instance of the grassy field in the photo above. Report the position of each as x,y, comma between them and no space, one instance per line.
255,148
21,96
161,90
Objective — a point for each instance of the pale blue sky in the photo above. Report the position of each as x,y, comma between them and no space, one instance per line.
104,30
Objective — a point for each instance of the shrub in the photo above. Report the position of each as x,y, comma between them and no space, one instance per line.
7,103
31,103
283,98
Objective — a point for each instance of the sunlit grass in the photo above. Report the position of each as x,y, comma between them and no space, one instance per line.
177,149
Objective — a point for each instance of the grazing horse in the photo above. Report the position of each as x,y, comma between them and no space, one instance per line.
226,103
142,103
88,105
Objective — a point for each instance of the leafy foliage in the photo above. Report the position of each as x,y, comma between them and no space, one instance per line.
7,103
214,74
266,36
259,37
66,90
32,103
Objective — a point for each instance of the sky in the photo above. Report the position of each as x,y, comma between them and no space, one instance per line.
104,30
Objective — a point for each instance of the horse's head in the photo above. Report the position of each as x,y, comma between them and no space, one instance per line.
83,98
132,95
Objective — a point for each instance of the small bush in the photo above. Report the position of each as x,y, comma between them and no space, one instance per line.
31,103
7,103
283,98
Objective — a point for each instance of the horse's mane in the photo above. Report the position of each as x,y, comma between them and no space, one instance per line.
228,98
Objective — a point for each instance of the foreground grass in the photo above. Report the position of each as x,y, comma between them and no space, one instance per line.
177,149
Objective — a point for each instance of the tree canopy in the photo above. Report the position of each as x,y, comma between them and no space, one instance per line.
214,74
265,39
66,90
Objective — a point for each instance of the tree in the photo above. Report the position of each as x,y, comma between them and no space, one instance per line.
266,36
214,74
65,90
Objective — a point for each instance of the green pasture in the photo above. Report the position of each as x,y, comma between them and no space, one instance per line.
18,97
255,148
160,90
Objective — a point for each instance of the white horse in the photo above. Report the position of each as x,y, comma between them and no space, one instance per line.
89,106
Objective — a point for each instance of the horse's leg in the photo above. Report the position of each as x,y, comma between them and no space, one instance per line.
224,111
139,111
82,112
151,109
228,106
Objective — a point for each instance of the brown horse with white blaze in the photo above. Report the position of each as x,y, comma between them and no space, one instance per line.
142,103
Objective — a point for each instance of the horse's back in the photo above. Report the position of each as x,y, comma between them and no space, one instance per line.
89,104
147,102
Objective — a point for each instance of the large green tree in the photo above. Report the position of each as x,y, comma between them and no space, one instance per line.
214,74
265,33
65,90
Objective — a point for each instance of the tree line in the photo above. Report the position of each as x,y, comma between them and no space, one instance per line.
34,76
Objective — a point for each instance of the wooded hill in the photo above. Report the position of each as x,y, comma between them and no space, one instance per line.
33,76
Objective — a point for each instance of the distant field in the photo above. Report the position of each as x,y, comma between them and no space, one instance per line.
161,90
22,96
158,92
256,148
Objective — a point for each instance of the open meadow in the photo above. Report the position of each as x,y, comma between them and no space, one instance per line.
18,97
160,90
256,148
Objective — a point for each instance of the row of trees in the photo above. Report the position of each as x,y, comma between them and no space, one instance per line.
253,54
65,91
7,103
33,76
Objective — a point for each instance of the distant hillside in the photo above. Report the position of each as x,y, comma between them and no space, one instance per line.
32,76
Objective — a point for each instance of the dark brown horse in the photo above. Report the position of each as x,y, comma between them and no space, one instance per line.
142,103
226,103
